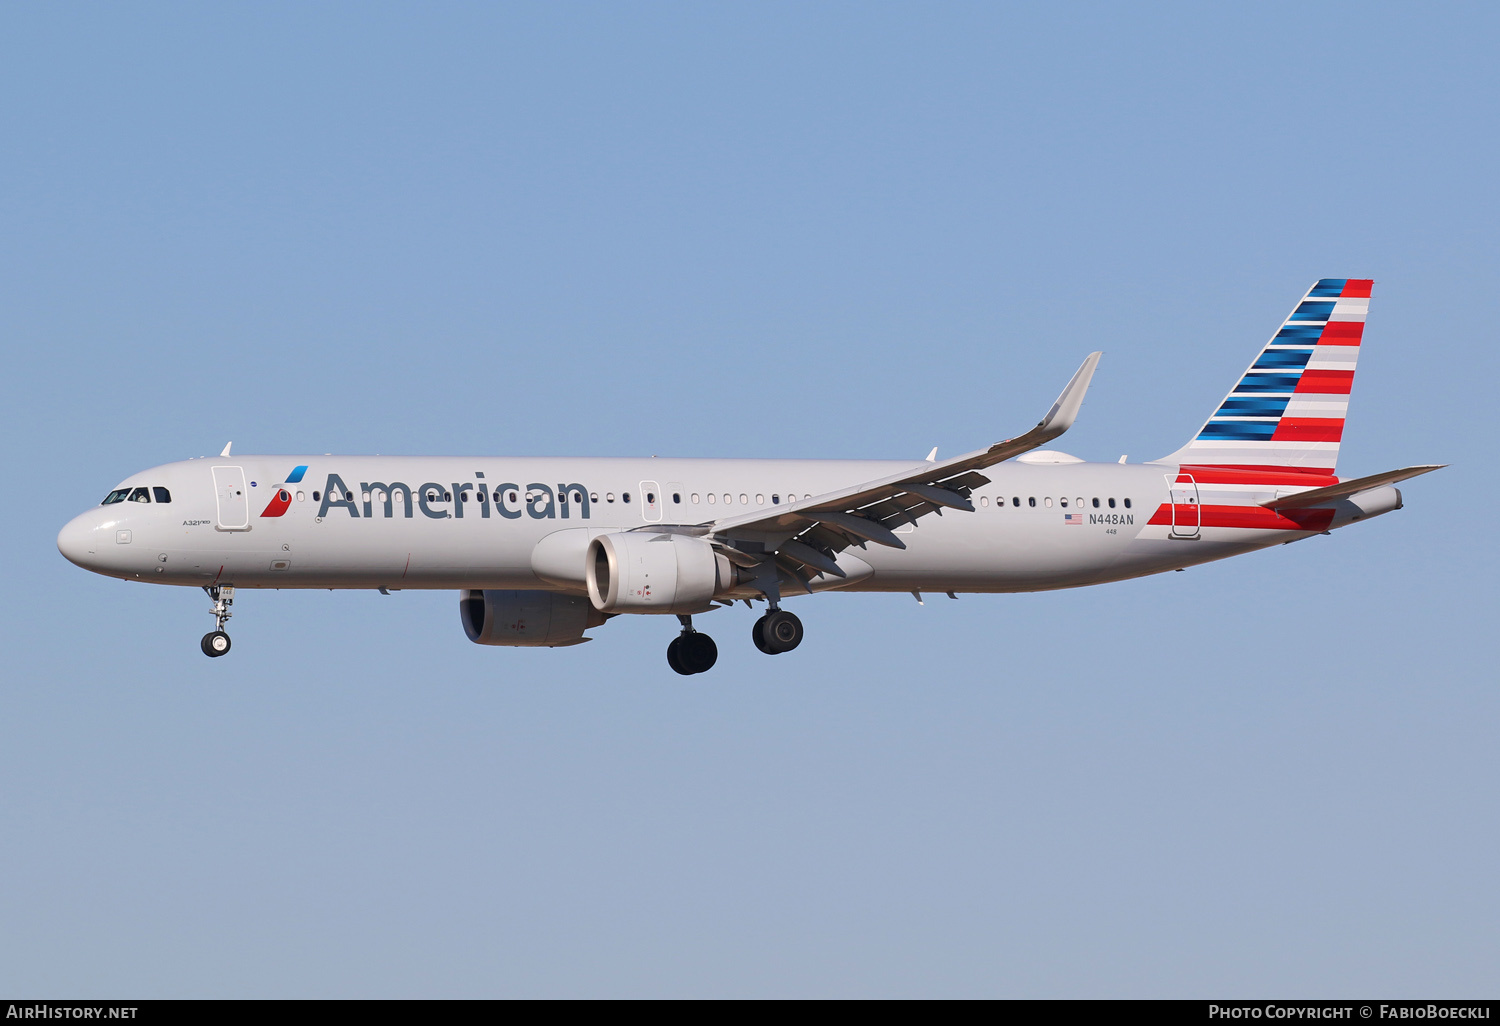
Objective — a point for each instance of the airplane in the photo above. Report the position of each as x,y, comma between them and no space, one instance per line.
543,550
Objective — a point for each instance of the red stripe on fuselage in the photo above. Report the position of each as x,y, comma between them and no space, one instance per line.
278,504
1255,518
1271,477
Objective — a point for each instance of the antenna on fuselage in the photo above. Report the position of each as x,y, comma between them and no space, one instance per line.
226,449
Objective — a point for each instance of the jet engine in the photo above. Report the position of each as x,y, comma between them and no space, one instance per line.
649,572
541,619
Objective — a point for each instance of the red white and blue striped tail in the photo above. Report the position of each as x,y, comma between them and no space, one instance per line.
1287,412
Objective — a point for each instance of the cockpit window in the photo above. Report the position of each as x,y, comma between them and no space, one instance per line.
160,494
140,495
118,495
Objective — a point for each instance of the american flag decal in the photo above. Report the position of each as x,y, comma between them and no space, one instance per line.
1072,518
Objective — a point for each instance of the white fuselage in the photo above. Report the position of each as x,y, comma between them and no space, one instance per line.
1038,525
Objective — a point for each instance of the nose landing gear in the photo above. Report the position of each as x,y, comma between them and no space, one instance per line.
691,652
216,643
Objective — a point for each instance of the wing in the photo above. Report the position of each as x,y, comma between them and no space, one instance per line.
804,538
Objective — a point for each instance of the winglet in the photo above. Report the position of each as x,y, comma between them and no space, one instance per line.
226,450
1065,410
1058,419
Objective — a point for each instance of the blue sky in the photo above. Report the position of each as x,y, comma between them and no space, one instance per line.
790,230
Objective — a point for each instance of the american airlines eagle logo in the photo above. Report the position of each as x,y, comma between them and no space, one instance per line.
282,500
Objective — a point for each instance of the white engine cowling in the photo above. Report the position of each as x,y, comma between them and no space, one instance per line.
647,572
526,618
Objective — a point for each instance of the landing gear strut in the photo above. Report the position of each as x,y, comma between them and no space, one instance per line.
691,652
216,643
777,632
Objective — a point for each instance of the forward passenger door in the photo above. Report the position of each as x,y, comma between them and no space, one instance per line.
233,502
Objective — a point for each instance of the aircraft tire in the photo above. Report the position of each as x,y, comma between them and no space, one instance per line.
215,644
781,631
757,635
674,657
697,652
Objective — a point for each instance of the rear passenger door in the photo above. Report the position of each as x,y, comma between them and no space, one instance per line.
1186,514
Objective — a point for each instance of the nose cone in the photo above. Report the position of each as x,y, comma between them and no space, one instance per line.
79,541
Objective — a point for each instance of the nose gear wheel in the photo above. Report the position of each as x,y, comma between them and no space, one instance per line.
216,643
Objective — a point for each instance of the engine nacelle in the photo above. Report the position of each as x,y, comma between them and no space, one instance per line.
647,572
544,619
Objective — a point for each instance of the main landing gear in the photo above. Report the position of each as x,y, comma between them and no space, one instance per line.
216,642
691,652
777,632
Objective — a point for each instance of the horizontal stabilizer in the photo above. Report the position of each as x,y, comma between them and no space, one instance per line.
1344,489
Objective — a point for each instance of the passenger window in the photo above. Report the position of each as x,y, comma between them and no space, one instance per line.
676,496
744,499
118,495
712,498
694,498
984,500
1079,502
140,495
1048,501
1127,503
1064,502
1015,500
1031,501
728,498
624,496
301,496
317,497
760,499
650,498
593,496
775,499
1096,503
160,494
1111,503
608,496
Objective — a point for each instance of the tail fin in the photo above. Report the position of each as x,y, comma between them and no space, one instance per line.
1287,412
